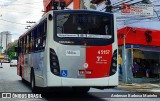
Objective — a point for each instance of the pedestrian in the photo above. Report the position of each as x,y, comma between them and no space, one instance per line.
119,64
135,69
1,63
147,70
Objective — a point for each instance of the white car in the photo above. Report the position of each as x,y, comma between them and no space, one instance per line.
13,63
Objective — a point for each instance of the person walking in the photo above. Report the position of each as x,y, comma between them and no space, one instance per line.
1,63
135,69
120,64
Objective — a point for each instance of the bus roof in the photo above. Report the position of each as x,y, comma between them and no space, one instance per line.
70,11
63,11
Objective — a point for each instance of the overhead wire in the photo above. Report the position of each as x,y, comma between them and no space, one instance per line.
20,4
13,22
34,5
27,5
13,11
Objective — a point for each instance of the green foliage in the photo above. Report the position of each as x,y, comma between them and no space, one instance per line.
11,52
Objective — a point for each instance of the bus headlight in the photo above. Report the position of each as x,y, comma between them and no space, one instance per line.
54,63
113,67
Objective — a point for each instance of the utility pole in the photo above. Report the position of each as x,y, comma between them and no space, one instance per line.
6,43
1,43
1,40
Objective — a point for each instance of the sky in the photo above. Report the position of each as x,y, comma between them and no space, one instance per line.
15,13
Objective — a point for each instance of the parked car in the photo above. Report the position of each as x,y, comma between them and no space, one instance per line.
13,63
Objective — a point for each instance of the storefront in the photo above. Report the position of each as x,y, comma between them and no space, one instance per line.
71,4
140,53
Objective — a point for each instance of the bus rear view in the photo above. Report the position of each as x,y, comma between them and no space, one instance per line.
70,48
85,45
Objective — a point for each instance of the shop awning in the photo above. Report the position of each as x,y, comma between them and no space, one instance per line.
139,36
150,48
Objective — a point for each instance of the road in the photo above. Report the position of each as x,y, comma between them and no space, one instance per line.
10,82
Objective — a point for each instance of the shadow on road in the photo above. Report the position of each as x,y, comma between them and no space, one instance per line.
66,93
70,96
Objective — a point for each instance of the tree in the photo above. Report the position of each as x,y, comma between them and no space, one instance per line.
11,52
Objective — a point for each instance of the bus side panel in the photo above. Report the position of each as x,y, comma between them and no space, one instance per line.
26,68
20,66
50,79
113,80
38,66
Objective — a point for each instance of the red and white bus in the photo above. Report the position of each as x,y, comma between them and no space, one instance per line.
70,48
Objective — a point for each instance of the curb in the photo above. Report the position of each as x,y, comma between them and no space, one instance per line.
136,87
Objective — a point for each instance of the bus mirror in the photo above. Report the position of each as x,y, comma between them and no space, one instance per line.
17,49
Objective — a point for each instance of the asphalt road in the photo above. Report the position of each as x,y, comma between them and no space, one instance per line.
11,83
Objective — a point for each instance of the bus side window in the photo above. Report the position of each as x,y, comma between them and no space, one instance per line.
34,39
20,45
23,45
44,35
29,42
39,40
26,44
21,42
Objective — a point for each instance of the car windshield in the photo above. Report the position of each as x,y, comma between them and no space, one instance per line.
13,60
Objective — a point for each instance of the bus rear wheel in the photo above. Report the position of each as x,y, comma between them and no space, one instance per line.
81,89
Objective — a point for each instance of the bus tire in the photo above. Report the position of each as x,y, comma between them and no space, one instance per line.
33,87
81,89
23,80
20,71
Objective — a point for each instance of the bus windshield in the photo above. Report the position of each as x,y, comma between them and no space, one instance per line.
85,25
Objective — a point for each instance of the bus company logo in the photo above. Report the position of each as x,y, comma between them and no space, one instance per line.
99,58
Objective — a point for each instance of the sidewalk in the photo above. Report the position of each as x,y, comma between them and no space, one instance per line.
140,87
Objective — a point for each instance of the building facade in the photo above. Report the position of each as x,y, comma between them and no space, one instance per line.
71,4
140,51
5,38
